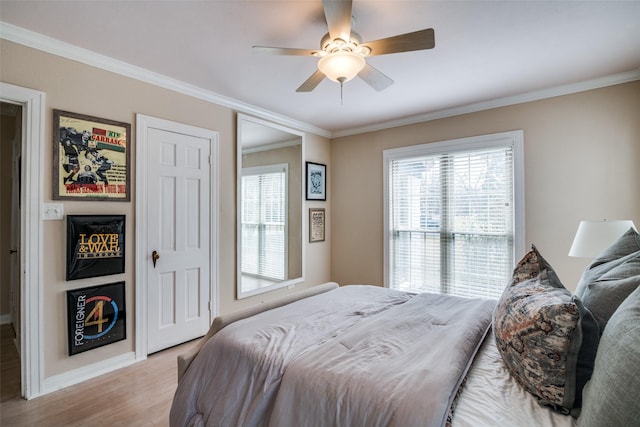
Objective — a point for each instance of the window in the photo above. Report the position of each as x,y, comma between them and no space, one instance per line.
264,211
454,215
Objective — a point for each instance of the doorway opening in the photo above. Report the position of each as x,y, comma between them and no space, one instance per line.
28,296
10,327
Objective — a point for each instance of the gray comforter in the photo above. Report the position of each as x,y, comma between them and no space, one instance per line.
354,356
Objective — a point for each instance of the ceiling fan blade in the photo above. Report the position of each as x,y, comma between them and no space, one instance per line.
417,40
375,78
311,82
338,15
283,51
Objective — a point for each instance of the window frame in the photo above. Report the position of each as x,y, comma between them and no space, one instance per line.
513,139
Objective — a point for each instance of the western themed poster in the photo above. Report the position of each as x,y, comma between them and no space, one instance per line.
91,158
95,245
96,316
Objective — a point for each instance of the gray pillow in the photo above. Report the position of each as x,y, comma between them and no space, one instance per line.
611,277
611,397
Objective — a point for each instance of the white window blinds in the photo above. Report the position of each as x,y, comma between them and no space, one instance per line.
264,210
451,218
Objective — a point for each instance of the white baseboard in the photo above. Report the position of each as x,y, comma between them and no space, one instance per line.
85,373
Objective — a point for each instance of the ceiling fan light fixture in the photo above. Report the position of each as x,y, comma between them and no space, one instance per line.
341,66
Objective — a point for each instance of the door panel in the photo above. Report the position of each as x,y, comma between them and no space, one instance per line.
178,229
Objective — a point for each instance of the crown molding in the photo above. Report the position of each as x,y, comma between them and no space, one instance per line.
56,47
47,44
568,89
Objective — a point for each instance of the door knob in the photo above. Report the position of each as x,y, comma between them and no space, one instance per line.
155,256
12,251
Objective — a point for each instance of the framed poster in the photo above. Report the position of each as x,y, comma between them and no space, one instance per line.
316,181
316,225
90,158
96,316
95,245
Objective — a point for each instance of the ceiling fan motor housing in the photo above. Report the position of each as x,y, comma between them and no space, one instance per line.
329,45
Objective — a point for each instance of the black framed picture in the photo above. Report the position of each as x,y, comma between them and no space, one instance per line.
96,316
316,181
95,245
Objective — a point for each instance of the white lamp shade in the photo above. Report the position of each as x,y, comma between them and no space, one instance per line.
593,237
341,66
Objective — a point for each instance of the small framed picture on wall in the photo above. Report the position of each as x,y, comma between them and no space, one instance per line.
316,225
316,181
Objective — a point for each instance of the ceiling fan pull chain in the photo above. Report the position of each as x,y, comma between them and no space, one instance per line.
341,80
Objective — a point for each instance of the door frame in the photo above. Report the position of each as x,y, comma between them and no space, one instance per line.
142,255
31,226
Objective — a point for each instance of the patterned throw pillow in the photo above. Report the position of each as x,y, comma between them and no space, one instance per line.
547,339
611,277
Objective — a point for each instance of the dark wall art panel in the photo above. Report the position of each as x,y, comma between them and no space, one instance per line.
95,245
96,316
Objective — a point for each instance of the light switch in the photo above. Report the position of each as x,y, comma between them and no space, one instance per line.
52,211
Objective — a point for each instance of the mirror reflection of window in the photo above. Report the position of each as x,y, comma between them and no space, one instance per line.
270,182
264,233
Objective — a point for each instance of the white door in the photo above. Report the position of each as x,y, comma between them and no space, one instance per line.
178,282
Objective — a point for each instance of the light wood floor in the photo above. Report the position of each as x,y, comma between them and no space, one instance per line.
9,365
138,395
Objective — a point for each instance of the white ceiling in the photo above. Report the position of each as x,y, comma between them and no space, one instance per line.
485,50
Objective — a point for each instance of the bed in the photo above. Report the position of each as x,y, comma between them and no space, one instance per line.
368,356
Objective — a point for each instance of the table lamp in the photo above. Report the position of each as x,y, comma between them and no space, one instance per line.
593,237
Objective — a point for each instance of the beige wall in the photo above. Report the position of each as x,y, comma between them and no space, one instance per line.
318,254
582,153
79,88
581,157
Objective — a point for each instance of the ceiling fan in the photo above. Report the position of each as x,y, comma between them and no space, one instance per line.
343,54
